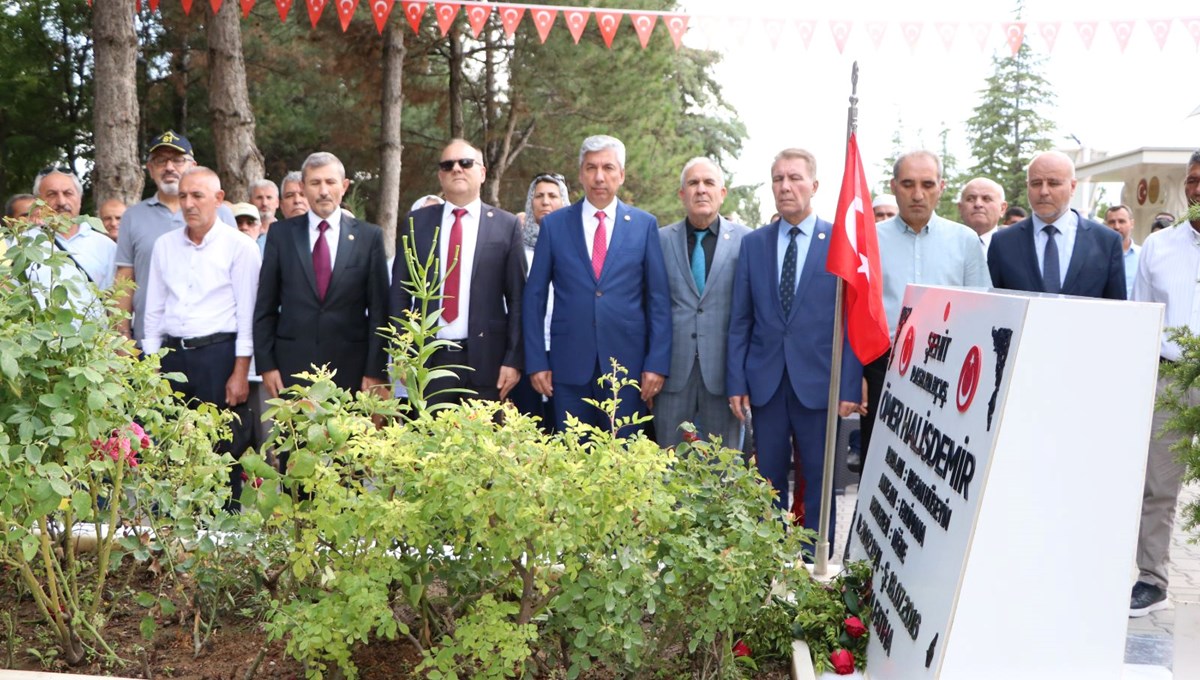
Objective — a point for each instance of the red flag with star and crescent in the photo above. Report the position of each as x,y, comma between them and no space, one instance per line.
854,257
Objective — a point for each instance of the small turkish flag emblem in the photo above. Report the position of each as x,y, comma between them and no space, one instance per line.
968,379
906,350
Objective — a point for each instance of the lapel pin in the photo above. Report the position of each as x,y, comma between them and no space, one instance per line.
821,236
726,237
491,214
627,218
350,237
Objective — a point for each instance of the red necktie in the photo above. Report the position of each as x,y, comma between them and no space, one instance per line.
454,257
321,266
599,245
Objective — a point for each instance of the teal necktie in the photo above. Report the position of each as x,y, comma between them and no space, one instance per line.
698,261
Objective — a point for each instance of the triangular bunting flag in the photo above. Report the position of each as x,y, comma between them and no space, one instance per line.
1049,32
713,29
982,30
247,5
543,19
643,25
445,13
739,27
1014,35
608,23
477,16
1123,28
345,12
841,32
315,7
773,26
576,21
876,29
153,5
283,6
912,33
215,4
380,11
806,27
947,30
1161,28
413,11
1087,31
510,18
1193,27
187,6
677,25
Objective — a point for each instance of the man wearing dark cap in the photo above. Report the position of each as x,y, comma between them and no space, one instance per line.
168,157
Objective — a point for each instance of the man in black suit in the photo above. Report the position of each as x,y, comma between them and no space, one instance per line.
322,292
481,264
1057,250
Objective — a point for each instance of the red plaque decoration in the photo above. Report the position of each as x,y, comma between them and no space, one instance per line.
906,350
968,379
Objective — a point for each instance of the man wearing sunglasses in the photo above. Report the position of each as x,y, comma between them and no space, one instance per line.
481,265
612,298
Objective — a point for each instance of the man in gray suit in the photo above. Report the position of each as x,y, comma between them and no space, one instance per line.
701,256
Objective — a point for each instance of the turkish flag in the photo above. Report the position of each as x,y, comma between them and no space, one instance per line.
854,257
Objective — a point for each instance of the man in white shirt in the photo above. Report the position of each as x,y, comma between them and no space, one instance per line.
1167,273
200,303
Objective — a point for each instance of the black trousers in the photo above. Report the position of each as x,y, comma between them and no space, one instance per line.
873,373
456,360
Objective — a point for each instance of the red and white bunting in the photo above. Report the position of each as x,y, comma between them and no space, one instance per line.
1193,27
576,22
876,29
981,30
1049,32
947,30
806,28
510,18
773,27
643,25
912,33
315,7
1014,35
247,5
841,33
380,11
215,4
543,20
608,23
153,5
1087,32
445,12
1123,30
345,12
413,11
677,25
477,16
187,6
283,7
1161,29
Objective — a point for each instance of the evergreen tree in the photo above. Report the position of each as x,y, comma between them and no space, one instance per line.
1007,128
948,204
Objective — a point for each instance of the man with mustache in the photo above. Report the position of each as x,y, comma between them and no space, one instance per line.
169,156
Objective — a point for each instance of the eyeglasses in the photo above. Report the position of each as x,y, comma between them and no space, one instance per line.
164,161
464,163
51,169
552,176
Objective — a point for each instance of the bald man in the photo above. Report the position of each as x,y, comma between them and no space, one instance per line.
1057,250
980,206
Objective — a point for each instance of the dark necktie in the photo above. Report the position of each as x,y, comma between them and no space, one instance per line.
599,245
1050,277
322,268
454,255
787,278
698,262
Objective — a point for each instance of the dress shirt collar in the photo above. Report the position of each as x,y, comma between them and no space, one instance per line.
208,236
714,228
1066,223
807,225
474,208
610,211
84,231
903,227
334,220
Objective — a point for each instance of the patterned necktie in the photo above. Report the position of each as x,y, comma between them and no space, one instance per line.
454,259
599,245
698,261
1050,277
322,268
787,278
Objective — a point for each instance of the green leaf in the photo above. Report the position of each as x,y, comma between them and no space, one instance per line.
60,487
302,464
167,606
52,400
29,547
144,599
148,627
96,400
8,365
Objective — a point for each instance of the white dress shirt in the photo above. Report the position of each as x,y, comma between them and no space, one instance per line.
1169,272
1067,225
331,234
457,329
591,224
197,290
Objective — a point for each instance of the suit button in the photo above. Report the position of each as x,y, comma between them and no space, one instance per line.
598,293
699,311
693,335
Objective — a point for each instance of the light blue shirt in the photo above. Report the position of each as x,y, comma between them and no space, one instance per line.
803,241
944,253
1131,265
1067,225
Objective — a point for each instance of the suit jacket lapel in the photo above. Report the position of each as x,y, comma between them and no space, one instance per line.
347,238
576,232
679,252
618,233
482,234
1082,252
815,259
304,251
1031,258
772,269
723,251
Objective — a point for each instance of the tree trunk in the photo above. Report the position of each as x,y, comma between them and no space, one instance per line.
239,161
456,84
118,172
390,147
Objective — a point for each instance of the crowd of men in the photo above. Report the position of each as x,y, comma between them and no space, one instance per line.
720,324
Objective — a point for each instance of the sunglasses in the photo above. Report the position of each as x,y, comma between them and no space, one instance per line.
51,169
464,163
553,176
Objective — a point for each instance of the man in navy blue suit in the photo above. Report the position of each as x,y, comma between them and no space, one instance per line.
611,296
1057,250
781,335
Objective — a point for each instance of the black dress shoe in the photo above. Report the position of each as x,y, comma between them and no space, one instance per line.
1145,599
854,461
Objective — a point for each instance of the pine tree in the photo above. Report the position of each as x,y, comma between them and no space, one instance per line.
1007,128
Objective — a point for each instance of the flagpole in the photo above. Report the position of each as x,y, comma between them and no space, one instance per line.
821,559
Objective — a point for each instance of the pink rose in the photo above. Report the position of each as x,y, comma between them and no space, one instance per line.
843,662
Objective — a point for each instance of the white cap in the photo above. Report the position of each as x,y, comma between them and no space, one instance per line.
884,199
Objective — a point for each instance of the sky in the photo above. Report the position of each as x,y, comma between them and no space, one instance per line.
790,95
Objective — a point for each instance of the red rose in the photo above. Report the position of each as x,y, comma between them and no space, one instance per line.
855,627
690,437
843,662
741,649
257,482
